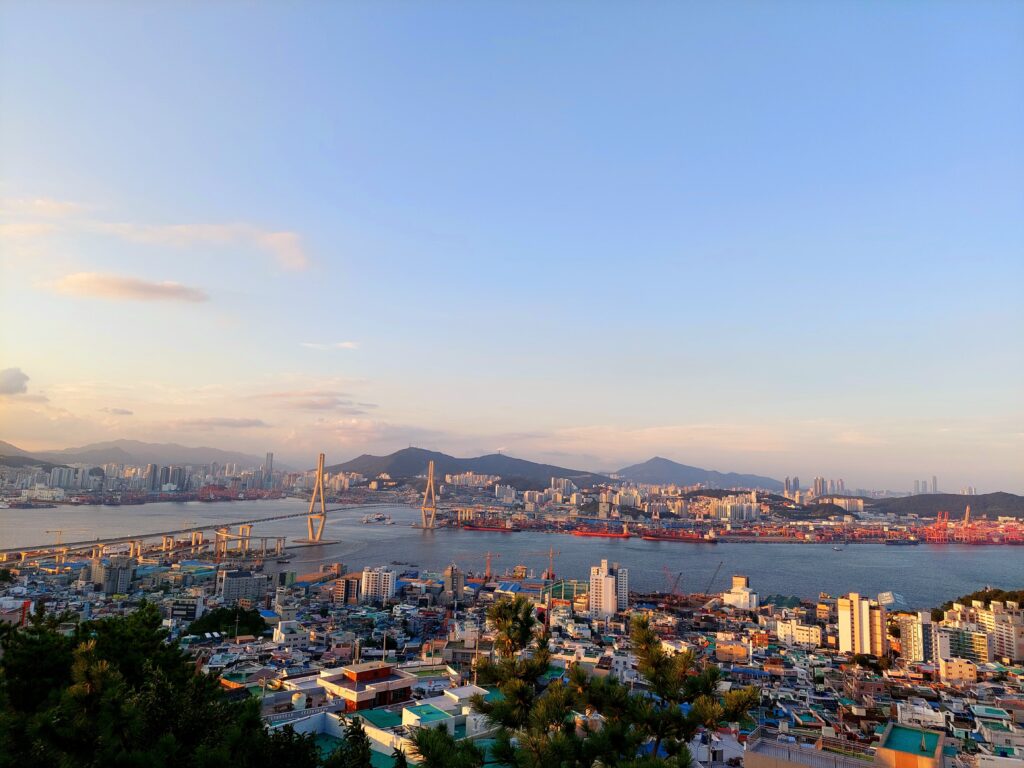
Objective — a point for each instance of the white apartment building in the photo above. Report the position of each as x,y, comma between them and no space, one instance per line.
792,632
235,585
1003,621
918,637
609,589
741,596
378,584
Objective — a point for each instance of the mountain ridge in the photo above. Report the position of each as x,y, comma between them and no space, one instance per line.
134,452
412,462
661,471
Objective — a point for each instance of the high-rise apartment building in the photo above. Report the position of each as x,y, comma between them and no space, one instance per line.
862,625
235,585
152,477
378,584
115,577
609,589
1002,621
454,581
348,588
918,637
972,644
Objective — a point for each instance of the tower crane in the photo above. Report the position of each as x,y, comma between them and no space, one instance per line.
714,576
550,554
672,581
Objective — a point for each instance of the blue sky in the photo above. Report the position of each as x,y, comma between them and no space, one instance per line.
776,237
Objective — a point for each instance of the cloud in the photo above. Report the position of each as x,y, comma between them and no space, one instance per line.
317,400
34,217
329,345
216,422
13,381
39,206
117,411
119,287
285,247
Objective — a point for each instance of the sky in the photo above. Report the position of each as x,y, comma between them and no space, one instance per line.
783,238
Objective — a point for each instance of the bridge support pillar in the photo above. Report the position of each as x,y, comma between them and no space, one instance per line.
244,535
197,541
220,543
167,543
279,547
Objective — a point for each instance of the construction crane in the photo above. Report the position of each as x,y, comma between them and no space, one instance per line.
550,554
672,581
707,590
61,531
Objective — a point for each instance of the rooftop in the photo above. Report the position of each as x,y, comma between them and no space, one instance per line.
915,741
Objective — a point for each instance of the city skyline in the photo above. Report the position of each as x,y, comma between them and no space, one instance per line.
585,240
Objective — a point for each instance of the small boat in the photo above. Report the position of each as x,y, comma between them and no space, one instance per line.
837,549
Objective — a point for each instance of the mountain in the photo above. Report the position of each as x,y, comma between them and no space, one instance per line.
6,449
137,453
410,462
990,505
661,471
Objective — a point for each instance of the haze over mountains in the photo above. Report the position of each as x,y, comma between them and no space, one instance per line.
410,462
134,452
661,471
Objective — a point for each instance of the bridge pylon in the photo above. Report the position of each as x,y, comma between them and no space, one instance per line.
316,518
315,521
428,510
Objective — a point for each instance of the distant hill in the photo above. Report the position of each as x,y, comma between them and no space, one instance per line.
991,505
137,453
6,449
661,471
410,462
24,461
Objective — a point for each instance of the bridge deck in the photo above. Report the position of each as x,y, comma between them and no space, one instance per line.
85,544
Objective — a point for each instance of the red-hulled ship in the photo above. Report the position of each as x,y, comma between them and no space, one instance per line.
670,535
603,533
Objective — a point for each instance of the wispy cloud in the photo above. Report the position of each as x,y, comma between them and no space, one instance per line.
216,422
119,287
39,206
285,247
117,411
329,345
27,218
317,400
13,381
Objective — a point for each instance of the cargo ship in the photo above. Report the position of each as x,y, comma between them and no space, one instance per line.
901,542
688,536
496,527
602,533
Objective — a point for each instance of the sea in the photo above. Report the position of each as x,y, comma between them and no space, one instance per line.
922,576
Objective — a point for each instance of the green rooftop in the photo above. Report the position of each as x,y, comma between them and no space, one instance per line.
428,713
381,718
980,710
909,740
